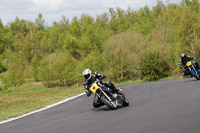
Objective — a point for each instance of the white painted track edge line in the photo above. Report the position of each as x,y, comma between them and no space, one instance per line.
42,109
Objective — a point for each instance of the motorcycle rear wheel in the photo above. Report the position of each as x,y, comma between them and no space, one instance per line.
126,102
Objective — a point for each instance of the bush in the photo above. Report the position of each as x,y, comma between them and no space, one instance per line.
124,54
95,61
2,67
58,69
35,66
18,70
154,67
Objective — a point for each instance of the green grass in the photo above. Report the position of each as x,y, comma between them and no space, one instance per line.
127,82
22,100
170,78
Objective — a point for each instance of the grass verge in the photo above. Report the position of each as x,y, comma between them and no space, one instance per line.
127,82
22,100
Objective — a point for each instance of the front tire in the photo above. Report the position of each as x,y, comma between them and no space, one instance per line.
195,74
109,104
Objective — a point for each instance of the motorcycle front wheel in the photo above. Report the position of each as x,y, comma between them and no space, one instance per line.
109,104
195,74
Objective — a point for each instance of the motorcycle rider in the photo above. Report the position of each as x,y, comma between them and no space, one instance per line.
184,60
90,78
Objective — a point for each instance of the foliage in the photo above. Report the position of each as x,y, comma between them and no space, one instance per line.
95,61
124,44
17,72
58,69
2,67
124,55
152,67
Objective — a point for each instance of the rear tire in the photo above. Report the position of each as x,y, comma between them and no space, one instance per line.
126,102
109,104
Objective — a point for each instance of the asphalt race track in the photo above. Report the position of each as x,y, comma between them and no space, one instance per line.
157,107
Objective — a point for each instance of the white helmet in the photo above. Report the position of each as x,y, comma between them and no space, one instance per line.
87,73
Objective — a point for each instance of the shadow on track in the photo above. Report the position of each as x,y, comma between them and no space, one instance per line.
104,108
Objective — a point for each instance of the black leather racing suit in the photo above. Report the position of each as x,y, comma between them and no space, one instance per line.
183,64
88,83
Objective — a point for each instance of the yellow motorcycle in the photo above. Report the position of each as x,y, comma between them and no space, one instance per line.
110,99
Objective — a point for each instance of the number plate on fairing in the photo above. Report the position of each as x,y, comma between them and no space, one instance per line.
188,64
94,87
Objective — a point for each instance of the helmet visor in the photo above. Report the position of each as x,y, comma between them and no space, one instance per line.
87,76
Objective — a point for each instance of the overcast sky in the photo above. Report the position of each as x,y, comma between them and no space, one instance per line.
53,10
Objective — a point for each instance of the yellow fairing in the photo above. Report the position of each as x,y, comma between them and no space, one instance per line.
188,64
94,88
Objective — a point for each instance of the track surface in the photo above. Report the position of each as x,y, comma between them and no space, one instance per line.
157,107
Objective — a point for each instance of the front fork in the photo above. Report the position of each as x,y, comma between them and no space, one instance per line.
105,95
191,71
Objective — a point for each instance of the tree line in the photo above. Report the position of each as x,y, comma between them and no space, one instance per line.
123,44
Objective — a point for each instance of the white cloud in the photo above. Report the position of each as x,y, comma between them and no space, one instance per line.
52,4
52,10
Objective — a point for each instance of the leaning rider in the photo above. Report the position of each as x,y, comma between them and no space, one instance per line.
184,60
90,78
